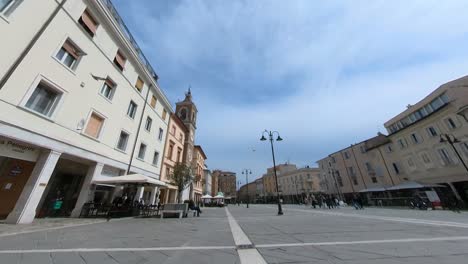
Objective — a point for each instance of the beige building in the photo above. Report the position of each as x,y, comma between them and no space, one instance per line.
294,184
198,167
225,182
78,100
173,154
248,192
416,149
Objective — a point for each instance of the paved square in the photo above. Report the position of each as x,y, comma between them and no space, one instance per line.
253,235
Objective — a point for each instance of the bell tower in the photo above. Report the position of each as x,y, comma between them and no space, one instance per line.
187,111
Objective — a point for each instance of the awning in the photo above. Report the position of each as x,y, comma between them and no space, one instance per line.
207,196
376,189
131,178
413,185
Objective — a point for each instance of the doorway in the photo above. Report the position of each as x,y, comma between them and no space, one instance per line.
14,175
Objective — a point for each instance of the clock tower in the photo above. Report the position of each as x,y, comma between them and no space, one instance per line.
187,112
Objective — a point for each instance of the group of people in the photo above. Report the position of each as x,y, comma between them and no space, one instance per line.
323,201
330,201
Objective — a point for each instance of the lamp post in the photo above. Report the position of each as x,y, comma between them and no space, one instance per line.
270,135
247,172
451,139
238,193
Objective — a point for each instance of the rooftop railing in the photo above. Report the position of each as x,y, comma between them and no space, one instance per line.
130,37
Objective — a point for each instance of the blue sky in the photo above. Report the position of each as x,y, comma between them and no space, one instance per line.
325,74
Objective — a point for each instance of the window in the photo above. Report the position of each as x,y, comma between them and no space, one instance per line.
353,175
123,140
170,150
132,109
94,126
164,114
346,155
415,138
161,133
120,60
464,146
153,101
403,143
148,123
168,172
445,157
432,131
450,123
363,149
173,130
179,154
333,159
43,100
411,163
142,151
396,168
369,167
88,22
181,137
8,6
339,179
389,148
155,158
425,158
437,103
68,54
108,89
374,179
139,84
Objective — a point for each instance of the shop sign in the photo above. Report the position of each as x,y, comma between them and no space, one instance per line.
15,171
14,149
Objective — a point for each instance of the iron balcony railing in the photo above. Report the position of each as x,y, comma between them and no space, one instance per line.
129,37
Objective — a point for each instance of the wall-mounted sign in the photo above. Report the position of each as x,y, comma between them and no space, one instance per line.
17,150
15,171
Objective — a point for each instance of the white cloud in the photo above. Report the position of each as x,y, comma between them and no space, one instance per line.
353,64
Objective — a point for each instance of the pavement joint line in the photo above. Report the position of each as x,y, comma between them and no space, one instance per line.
70,250
61,227
384,241
386,218
248,254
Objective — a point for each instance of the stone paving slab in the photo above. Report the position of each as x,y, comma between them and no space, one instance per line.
279,239
212,229
45,223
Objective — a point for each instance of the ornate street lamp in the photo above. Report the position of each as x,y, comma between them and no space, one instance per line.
247,172
270,135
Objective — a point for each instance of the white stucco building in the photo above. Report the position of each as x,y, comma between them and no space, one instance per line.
77,98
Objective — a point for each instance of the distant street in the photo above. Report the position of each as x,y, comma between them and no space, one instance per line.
253,235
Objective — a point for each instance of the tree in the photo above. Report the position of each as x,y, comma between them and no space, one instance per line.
181,177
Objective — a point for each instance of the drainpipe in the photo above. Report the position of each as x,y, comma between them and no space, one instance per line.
386,167
138,130
30,45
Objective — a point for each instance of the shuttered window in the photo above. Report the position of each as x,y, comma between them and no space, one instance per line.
68,54
89,23
120,60
139,84
108,89
94,126
164,114
153,101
